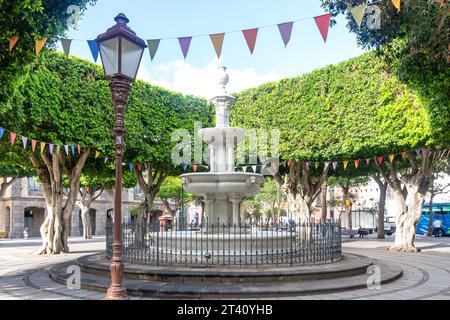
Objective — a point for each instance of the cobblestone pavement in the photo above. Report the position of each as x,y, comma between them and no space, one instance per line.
426,275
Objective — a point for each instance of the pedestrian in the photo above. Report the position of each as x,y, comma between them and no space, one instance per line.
437,227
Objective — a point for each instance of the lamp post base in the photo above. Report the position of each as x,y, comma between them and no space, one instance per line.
116,293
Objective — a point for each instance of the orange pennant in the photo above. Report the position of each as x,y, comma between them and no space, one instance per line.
33,145
12,42
217,41
391,157
79,148
356,163
138,166
289,163
403,154
40,44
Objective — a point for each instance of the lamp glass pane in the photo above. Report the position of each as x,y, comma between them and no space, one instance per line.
131,57
109,52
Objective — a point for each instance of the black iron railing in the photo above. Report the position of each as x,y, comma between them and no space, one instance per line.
255,243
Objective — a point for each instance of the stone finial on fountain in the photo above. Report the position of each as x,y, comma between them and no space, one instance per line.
224,78
223,101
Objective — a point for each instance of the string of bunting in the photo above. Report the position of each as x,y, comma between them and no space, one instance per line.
250,35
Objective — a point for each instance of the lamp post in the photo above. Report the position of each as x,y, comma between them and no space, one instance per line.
121,53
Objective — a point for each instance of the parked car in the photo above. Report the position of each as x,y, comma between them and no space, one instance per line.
389,225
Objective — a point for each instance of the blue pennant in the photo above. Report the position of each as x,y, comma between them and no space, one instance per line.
94,49
72,147
185,166
1,132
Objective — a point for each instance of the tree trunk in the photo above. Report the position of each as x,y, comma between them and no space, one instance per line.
324,201
85,205
430,220
167,206
56,227
382,185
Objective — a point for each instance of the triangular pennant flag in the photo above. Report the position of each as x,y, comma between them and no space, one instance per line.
106,159
345,164
66,148
334,165
217,41
195,167
153,47
391,157
24,142
72,148
403,154
250,37
185,166
368,161
327,163
51,148
97,154
185,42
316,165
323,24
78,148
380,160
418,152
40,44
58,148
2,130
12,137
358,13
12,42
138,166
289,163
130,165
33,145
42,147
356,162
254,168
66,43
307,165
396,4
285,31
244,169
94,49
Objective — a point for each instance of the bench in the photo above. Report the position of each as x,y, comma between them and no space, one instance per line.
363,233
349,232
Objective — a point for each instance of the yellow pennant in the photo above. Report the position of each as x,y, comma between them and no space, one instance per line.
12,42
396,4
358,13
40,44
42,147
391,157
345,164
97,154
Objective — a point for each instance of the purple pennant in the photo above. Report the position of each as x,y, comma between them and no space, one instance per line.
185,42
285,31
72,148
24,142
185,166
334,165
66,148
51,148
1,132
418,152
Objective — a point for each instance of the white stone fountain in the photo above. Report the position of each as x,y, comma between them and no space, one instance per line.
222,188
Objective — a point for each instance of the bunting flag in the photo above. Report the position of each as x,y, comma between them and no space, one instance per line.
1,132
138,166
417,152
12,137
66,43
285,31
153,47
195,167
396,4
356,162
244,169
380,160
40,44
24,142
78,148
72,148
345,164
130,165
254,168
250,37
391,157
368,161
42,147
97,154
50,145
316,164
185,43
33,145
217,41
327,164
307,165
12,43
358,13
66,148
334,165
94,49
323,24
185,166
403,154
106,159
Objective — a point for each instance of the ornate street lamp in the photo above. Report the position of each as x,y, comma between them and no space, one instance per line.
121,53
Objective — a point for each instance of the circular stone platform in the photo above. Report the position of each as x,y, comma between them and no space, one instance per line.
151,281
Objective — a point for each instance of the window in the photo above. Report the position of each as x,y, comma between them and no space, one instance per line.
34,188
137,194
29,219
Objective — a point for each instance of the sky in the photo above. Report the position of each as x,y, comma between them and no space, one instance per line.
197,75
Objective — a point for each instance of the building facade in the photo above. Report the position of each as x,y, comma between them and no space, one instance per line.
23,208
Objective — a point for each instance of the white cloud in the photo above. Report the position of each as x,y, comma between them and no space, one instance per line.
182,77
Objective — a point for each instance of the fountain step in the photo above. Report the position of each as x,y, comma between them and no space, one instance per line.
210,289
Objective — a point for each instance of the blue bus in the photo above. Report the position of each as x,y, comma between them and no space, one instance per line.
441,211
